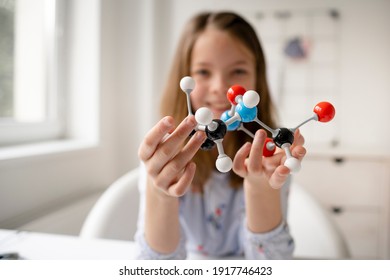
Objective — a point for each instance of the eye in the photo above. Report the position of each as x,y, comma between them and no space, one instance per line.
202,72
239,71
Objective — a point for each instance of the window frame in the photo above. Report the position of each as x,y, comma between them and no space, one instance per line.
13,132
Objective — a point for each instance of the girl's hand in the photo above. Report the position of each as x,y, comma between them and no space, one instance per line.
250,164
167,159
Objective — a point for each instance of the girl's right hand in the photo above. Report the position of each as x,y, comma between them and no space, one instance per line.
167,160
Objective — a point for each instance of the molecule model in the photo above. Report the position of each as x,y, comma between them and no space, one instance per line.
215,129
244,110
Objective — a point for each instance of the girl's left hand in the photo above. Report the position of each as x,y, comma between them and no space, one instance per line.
250,164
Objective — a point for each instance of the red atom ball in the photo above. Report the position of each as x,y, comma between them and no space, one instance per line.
233,92
266,151
325,111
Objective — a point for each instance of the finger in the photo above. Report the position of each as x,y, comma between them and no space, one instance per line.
256,153
279,177
173,142
174,166
166,150
239,166
154,137
271,163
299,140
184,182
193,145
298,152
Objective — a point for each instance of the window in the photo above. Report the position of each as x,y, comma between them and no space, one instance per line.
30,36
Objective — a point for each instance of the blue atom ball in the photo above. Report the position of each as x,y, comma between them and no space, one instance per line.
246,114
233,126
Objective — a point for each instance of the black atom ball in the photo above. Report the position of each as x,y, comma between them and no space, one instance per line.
207,145
219,132
284,136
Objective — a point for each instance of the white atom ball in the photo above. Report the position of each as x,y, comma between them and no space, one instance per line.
203,116
224,164
251,98
187,84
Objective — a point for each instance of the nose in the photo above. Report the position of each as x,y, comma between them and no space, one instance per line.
219,85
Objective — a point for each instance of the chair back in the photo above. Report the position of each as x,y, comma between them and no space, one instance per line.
115,214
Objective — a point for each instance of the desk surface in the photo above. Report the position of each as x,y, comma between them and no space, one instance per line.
41,246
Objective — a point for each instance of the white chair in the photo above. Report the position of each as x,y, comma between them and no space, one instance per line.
315,234
114,216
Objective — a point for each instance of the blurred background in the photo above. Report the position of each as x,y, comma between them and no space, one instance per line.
80,83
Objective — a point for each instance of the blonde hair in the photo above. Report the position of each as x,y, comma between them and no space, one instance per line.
174,100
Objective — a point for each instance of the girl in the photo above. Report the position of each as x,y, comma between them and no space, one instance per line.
186,205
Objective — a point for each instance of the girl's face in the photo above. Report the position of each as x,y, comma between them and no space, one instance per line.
219,61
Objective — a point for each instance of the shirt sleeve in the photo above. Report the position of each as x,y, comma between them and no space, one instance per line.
145,252
275,244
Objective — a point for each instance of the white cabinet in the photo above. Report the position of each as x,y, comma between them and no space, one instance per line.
355,189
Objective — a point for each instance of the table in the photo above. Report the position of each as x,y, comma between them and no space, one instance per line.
42,246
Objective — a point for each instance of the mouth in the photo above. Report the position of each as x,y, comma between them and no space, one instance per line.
218,110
